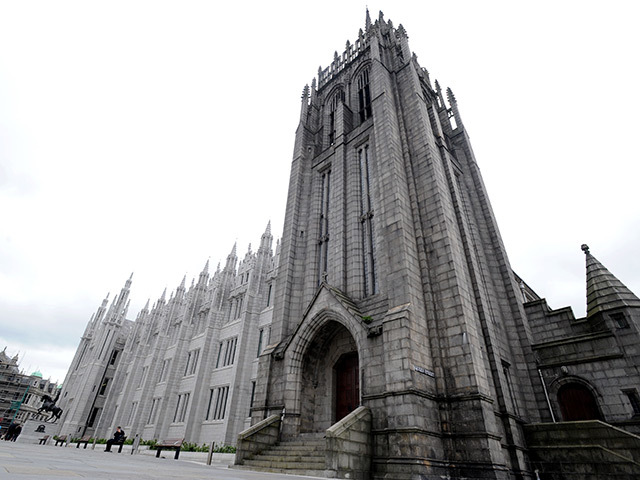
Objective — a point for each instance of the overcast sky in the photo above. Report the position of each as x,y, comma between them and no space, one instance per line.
148,137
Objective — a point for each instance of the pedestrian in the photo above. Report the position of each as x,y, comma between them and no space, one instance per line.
118,438
9,433
16,432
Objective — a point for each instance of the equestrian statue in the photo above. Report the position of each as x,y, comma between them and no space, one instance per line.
49,405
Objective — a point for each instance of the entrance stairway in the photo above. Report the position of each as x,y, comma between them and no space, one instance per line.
304,455
591,450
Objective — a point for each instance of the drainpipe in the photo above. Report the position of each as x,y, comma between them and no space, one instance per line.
282,415
546,395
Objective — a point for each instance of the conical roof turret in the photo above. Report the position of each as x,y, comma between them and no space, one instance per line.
604,290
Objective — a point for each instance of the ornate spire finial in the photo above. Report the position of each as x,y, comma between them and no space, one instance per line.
313,84
367,22
585,248
381,16
450,96
305,92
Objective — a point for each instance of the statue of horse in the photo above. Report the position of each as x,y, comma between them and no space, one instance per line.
49,405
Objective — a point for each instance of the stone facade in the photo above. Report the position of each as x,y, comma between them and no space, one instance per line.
186,367
393,309
391,257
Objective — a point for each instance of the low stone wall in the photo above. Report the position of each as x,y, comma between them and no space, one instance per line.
349,446
579,450
257,438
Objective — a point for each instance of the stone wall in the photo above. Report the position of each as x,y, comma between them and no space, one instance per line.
349,445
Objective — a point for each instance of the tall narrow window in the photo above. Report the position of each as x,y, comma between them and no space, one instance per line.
221,403
269,294
364,96
164,370
93,416
253,395
261,333
634,400
132,414
217,403
219,354
143,376
181,407
192,362
155,405
366,223
323,241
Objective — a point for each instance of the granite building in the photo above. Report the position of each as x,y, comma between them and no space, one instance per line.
388,331
401,338
186,367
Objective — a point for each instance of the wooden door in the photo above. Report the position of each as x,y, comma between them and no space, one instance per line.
347,385
577,403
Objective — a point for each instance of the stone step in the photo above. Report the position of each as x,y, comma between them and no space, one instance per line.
291,457
303,443
284,450
285,464
301,472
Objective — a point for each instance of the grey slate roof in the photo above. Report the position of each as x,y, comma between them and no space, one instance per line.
604,290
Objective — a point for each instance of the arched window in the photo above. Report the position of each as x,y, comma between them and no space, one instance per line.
366,221
364,96
577,403
335,101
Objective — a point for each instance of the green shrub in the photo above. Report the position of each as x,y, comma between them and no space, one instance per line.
224,449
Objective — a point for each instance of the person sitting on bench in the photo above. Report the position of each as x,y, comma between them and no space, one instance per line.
118,438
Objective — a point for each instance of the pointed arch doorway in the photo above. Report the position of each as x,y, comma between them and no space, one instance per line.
330,386
577,403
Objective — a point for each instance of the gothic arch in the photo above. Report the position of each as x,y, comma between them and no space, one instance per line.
577,400
319,345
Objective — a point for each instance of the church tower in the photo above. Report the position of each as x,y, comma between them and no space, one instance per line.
394,294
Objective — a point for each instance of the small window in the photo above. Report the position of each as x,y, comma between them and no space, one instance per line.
114,355
634,400
103,387
619,320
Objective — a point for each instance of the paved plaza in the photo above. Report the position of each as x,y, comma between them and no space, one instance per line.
39,462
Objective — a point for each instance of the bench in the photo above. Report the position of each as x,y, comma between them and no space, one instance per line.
86,439
43,440
170,443
121,443
62,439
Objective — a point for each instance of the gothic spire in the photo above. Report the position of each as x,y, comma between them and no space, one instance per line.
367,22
266,240
604,290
